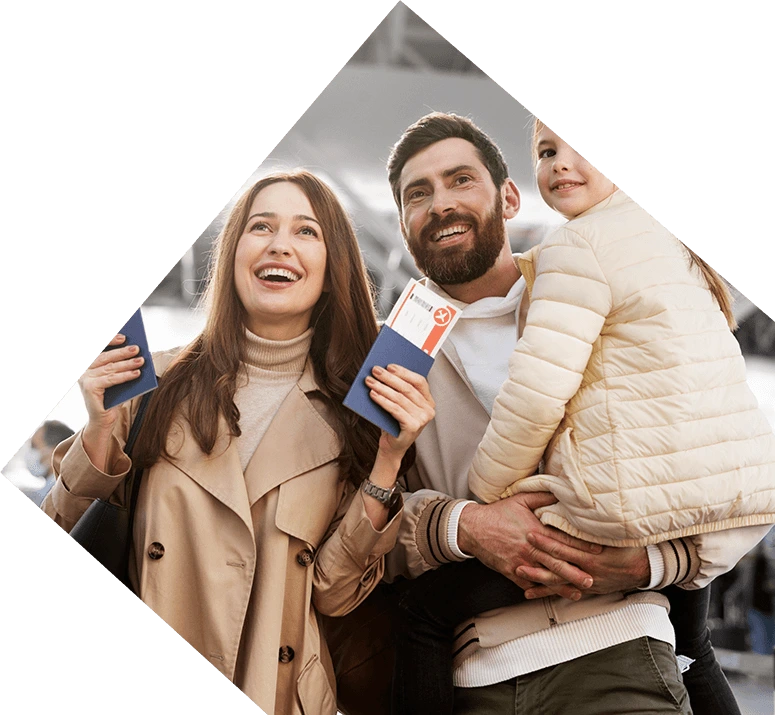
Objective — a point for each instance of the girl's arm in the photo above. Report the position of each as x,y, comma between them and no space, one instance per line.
569,302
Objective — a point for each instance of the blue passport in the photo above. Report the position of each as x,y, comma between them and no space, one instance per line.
134,331
389,347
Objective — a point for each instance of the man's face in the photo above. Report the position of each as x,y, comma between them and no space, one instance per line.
451,212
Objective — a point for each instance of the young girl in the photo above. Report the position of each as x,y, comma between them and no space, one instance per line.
629,385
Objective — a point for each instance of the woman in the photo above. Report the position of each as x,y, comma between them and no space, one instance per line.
251,509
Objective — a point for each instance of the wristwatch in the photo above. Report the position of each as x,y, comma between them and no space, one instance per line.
388,497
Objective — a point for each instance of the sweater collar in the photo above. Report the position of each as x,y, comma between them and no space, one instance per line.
288,356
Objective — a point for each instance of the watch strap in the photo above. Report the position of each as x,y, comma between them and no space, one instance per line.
381,494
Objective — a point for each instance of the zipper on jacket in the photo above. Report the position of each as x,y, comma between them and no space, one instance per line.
549,611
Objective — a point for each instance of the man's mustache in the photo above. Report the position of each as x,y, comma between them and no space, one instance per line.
437,224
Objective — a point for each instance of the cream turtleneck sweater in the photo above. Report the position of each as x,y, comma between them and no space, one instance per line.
270,370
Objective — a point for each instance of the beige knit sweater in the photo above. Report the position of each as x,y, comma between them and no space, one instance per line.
270,370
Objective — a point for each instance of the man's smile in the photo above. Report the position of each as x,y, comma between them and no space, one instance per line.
454,230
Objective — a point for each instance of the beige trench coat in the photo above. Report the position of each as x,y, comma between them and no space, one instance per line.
203,543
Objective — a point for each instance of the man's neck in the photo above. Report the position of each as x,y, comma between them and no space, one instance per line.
496,283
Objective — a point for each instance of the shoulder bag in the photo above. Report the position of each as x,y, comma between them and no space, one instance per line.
105,529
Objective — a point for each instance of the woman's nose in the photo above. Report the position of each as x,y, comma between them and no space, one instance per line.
280,244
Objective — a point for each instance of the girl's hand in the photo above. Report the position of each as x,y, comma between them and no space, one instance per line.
112,367
407,397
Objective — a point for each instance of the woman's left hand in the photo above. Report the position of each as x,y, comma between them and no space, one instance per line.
406,396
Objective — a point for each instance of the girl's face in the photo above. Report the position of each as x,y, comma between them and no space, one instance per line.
568,183
280,263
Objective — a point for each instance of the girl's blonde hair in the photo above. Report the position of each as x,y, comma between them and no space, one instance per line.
716,284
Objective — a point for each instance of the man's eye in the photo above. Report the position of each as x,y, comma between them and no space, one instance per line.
462,179
417,194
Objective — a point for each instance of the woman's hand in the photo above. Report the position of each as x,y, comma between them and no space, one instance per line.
406,396
112,367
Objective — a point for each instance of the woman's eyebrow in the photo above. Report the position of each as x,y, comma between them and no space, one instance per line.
272,214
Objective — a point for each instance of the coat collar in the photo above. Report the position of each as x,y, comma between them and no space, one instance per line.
297,440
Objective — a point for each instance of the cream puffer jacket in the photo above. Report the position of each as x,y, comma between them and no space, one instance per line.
629,377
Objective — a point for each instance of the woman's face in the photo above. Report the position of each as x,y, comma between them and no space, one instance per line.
280,262
567,181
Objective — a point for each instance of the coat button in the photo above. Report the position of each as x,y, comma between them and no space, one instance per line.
156,550
286,654
305,557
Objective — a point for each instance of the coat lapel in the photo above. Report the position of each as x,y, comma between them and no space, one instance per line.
219,473
297,440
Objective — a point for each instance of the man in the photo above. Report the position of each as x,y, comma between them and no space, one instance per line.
558,651
38,456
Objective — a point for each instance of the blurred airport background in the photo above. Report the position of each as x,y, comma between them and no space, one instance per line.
404,70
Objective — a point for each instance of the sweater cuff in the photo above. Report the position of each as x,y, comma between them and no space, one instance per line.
431,532
454,518
681,562
656,567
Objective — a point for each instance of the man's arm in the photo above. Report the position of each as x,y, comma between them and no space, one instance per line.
494,533
497,534
690,562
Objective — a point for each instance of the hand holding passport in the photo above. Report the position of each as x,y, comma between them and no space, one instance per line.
411,336
134,332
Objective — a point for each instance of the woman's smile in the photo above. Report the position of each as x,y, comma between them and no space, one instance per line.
280,265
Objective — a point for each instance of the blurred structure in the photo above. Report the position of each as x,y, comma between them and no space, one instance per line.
36,455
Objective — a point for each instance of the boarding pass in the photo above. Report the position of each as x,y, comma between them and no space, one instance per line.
424,318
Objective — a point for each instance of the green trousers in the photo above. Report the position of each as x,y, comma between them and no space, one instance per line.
640,676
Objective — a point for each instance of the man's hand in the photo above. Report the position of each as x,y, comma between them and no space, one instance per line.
497,534
613,569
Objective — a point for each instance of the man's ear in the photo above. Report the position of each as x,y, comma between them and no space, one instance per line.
511,199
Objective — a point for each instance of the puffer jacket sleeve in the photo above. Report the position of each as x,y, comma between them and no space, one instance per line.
351,560
569,301
719,552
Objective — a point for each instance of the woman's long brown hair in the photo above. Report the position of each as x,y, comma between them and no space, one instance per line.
715,283
200,383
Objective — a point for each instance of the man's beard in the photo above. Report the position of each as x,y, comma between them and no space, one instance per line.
457,264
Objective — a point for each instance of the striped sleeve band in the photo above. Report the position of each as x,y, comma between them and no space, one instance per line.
432,533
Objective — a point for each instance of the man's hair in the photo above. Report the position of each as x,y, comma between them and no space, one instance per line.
435,127
55,432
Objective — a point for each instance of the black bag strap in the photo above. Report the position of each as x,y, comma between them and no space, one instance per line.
137,423
137,474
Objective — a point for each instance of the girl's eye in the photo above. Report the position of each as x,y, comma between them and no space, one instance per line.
308,231
546,153
260,226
